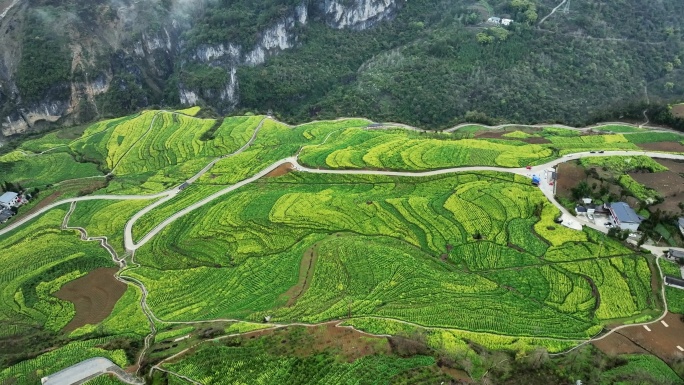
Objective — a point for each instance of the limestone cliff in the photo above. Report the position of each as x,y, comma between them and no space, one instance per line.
130,54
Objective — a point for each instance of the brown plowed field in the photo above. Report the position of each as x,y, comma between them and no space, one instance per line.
670,184
93,295
661,341
663,146
569,175
617,344
280,170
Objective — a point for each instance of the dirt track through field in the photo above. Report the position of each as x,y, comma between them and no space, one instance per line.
93,295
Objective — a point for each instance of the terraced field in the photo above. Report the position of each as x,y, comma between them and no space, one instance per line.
394,248
459,256
107,219
41,171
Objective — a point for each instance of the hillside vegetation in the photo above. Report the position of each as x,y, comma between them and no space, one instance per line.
424,62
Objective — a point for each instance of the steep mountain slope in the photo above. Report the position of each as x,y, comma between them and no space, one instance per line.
427,62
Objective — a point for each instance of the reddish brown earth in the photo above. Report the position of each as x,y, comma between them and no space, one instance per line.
306,270
93,295
536,140
491,135
670,184
617,344
280,170
346,342
663,146
569,175
661,341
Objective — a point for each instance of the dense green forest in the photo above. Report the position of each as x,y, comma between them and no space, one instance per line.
430,68
432,63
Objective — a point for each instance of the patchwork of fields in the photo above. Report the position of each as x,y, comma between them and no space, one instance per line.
467,256
431,252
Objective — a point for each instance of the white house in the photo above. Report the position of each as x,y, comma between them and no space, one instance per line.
494,20
506,21
9,199
624,216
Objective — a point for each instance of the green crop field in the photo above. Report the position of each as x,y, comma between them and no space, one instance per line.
622,164
398,248
37,260
192,194
637,189
257,362
106,219
648,368
653,137
619,128
403,150
462,262
42,170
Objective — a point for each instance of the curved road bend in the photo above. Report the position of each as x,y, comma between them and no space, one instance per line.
128,230
27,218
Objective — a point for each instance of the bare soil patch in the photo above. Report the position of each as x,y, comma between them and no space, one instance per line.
93,295
569,176
661,341
617,344
678,110
345,342
663,146
536,140
280,170
670,184
306,270
491,135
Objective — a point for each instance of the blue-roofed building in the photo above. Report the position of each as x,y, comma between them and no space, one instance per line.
624,216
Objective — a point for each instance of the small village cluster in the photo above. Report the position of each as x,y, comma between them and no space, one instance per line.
618,214
9,201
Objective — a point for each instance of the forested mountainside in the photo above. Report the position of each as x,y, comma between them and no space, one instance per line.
425,62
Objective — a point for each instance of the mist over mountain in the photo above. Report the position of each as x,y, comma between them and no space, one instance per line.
425,62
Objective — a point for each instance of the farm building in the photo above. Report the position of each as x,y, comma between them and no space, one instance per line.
9,199
676,255
674,281
506,21
494,20
624,216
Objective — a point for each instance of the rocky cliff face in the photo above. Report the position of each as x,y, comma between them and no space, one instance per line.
360,15
114,71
